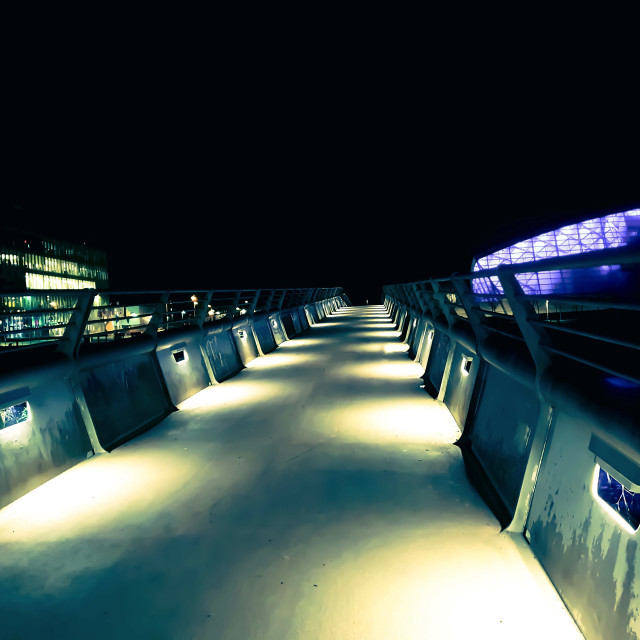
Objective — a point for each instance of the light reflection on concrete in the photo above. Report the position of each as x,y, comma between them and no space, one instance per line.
275,360
94,493
250,392
384,371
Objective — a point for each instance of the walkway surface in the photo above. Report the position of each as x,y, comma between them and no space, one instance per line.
318,494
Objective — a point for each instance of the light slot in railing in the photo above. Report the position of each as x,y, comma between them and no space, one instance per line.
180,356
616,483
14,414
616,498
465,367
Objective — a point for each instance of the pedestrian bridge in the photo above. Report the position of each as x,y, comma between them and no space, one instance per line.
452,463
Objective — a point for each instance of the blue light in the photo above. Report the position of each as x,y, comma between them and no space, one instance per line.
14,415
626,503
607,232
621,383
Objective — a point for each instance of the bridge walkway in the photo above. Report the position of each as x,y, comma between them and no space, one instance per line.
317,494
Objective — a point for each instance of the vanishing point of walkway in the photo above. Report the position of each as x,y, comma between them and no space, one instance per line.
318,494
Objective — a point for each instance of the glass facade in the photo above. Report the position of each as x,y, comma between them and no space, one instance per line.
606,232
51,270
30,261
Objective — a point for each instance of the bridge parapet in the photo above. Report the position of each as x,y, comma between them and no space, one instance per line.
545,387
96,368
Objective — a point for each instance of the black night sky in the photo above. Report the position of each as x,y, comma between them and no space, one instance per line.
285,170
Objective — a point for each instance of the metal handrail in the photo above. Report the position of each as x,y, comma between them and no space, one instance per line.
234,302
527,320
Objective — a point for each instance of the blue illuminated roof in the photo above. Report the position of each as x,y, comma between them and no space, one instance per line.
606,232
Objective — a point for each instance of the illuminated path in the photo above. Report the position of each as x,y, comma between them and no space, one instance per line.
316,495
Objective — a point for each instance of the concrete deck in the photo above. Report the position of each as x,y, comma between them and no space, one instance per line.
318,494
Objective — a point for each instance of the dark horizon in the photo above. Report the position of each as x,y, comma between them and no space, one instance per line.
325,166
356,202
170,249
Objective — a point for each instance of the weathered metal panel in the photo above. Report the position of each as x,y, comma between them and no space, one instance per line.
308,315
277,329
183,366
302,316
313,312
402,317
287,321
592,560
262,328
297,325
51,441
501,429
223,354
417,337
125,397
426,344
436,363
462,377
245,341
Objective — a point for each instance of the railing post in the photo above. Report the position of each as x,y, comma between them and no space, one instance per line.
70,346
158,315
445,308
476,319
254,304
234,305
431,303
74,331
201,315
534,337
523,312
269,300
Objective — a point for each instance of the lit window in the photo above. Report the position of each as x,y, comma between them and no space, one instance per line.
624,502
14,415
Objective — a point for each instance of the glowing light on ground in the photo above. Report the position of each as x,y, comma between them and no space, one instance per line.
380,422
415,581
228,393
302,343
376,325
87,496
379,347
396,347
389,335
382,370
16,433
276,360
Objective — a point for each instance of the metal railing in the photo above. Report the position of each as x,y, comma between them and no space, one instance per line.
592,315
36,317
